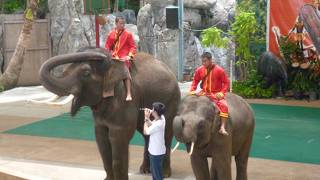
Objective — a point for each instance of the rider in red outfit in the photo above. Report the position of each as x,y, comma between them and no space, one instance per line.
215,85
121,43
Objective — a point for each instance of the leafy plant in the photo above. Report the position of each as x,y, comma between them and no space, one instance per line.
213,35
253,87
288,48
300,82
243,31
11,6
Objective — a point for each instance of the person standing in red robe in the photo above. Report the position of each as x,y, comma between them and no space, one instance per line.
214,84
123,48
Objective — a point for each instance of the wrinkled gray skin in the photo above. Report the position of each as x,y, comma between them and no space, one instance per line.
115,119
197,122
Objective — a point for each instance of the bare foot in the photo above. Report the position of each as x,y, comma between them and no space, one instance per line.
129,98
223,131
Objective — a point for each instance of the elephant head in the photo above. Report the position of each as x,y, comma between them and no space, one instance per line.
195,122
89,71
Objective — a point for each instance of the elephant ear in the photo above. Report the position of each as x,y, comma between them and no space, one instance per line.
116,73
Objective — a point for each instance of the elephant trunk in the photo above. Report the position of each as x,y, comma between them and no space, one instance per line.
65,85
178,125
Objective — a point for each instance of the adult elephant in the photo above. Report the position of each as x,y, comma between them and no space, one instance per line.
197,124
91,70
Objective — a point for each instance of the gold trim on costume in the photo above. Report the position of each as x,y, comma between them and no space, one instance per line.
226,115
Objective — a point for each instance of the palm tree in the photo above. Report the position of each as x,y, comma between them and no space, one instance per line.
11,75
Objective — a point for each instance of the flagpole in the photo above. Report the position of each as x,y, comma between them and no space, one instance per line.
268,25
181,41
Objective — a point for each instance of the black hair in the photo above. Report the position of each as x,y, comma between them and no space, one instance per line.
120,17
159,108
206,55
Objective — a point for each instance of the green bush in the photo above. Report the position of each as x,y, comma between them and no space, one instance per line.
252,87
11,6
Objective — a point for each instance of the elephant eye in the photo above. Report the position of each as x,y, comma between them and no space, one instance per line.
201,125
86,73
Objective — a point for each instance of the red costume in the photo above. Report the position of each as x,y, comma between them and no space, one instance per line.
125,46
216,81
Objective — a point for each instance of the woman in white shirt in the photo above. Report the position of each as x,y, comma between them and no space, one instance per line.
155,129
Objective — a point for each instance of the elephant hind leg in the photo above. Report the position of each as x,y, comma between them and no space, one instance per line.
242,161
213,172
170,114
145,166
166,172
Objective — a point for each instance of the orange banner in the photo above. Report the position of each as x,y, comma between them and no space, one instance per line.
283,14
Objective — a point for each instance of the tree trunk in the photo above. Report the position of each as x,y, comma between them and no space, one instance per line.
2,6
116,6
11,75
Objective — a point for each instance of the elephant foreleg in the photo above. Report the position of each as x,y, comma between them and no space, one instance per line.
200,167
280,85
222,168
104,147
120,153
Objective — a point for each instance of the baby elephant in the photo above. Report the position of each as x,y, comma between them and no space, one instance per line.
197,124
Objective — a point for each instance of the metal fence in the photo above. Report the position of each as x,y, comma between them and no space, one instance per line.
38,51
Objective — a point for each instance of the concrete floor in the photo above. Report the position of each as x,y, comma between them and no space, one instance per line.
55,158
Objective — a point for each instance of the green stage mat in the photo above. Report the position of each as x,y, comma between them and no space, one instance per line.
287,133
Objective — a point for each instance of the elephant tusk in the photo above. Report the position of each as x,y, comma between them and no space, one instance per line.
191,150
51,100
175,147
63,102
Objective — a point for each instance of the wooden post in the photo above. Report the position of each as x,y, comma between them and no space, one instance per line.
97,32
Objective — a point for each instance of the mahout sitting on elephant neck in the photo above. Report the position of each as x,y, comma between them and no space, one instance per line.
197,125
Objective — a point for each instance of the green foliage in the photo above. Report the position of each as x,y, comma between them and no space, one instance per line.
134,5
29,14
213,36
243,29
300,80
288,48
303,80
253,87
11,6
244,32
42,9
259,7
